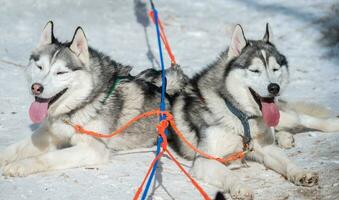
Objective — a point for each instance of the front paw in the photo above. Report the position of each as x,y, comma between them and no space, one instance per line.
285,140
304,178
22,168
241,192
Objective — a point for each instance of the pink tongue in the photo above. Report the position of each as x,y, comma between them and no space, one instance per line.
270,113
38,111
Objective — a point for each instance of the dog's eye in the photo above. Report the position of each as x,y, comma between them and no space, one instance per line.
276,69
60,73
254,70
38,66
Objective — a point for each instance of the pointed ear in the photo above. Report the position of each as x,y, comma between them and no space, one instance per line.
79,45
238,42
47,36
268,37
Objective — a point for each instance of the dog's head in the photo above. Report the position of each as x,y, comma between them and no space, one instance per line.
256,74
64,75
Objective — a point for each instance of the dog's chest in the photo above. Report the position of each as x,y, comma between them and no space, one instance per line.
60,129
260,132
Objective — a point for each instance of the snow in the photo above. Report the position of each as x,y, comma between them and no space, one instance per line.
198,31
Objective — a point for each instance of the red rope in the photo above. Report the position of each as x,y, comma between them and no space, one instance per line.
164,39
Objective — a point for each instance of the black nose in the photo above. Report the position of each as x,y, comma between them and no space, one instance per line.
37,88
273,88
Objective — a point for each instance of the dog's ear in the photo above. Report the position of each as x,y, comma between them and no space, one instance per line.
238,42
220,196
268,37
79,46
47,36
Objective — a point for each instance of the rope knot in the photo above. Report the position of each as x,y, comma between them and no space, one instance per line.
162,126
161,131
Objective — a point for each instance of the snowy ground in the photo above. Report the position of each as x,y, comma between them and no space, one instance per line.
198,30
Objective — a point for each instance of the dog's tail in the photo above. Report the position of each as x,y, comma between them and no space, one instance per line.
311,109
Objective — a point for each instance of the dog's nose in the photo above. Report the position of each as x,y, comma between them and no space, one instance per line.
37,88
273,88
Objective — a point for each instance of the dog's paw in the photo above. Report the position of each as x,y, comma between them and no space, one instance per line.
285,139
305,178
241,192
22,168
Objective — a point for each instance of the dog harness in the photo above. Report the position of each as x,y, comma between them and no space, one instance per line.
244,121
111,90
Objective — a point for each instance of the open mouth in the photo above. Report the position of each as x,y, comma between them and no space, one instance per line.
39,108
260,99
51,100
269,109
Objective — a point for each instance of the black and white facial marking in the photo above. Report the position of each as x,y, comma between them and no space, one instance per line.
55,69
257,68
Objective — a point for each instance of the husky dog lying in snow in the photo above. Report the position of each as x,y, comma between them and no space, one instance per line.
240,89
71,81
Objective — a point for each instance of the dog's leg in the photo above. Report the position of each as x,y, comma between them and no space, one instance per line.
217,142
214,173
40,142
272,157
291,119
284,139
81,154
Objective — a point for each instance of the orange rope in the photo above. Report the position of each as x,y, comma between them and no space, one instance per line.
169,119
232,157
80,129
161,130
194,182
137,194
164,38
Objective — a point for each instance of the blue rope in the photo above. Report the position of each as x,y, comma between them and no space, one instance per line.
162,102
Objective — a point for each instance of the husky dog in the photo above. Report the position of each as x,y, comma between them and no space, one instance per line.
234,101
71,81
